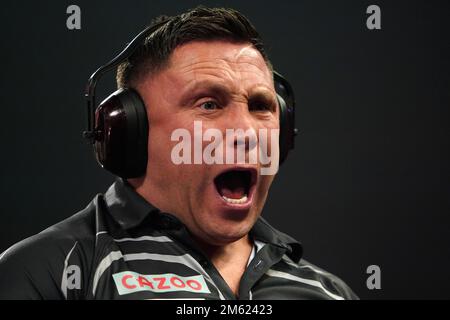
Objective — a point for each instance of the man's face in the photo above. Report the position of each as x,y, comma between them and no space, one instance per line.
225,86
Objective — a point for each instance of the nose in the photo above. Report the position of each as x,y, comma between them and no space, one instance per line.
241,129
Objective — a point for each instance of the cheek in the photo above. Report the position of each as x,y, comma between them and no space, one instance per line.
159,146
165,156
271,130
266,182
161,129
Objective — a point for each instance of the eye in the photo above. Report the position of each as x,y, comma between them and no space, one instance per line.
209,105
260,105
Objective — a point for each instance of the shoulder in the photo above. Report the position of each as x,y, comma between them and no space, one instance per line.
35,268
301,278
312,275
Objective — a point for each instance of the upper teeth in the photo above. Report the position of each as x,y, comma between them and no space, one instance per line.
236,201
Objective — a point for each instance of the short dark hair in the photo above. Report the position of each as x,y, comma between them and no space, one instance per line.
200,23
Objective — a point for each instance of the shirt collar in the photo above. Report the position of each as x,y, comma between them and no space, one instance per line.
129,210
125,205
264,232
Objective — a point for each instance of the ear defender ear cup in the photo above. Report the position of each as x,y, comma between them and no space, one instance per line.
122,133
286,101
284,150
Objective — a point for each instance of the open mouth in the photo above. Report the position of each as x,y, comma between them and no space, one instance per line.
235,185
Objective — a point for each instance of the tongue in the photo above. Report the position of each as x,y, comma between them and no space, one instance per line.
231,186
237,193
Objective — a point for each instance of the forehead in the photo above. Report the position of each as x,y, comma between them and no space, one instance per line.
226,61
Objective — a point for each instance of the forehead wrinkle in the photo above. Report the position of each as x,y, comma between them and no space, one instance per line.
225,66
220,54
206,68
230,77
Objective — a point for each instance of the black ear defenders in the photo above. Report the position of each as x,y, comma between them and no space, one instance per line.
118,127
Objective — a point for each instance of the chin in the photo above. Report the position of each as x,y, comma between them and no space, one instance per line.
225,231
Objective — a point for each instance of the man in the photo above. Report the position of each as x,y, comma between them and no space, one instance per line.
181,230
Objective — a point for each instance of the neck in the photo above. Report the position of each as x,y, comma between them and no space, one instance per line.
224,253
230,260
149,192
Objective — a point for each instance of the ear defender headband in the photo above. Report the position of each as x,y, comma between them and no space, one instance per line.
118,127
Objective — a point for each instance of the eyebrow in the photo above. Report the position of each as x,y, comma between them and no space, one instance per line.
266,97
192,92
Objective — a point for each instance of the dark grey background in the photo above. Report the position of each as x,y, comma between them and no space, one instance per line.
369,180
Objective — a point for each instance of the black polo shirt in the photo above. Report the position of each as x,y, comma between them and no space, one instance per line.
121,247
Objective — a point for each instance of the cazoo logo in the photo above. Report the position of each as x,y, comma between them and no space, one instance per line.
129,282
